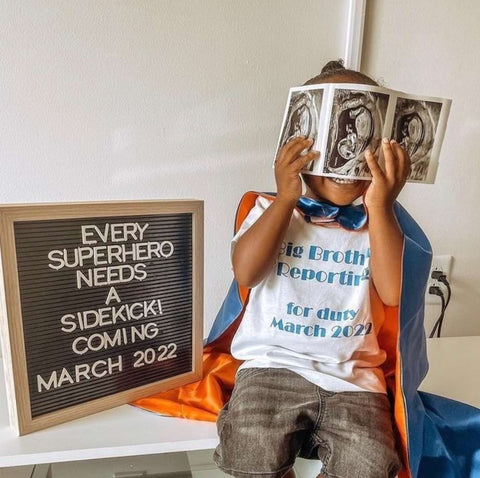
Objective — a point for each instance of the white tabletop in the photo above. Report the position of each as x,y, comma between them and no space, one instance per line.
130,431
120,431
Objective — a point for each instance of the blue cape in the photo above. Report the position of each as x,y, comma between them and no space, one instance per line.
440,437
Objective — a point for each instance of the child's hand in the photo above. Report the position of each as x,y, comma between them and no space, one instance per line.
385,186
288,166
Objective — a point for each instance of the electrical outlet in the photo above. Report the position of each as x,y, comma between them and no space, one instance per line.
443,263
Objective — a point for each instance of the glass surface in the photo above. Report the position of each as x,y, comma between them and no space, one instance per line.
194,464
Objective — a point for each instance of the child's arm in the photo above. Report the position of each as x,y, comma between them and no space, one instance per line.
386,237
257,249
386,245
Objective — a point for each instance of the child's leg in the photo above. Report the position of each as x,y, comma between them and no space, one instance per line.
356,436
263,427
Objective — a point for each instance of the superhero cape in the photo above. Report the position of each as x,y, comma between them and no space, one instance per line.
439,437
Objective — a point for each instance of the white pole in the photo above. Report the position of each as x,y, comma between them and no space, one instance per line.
354,38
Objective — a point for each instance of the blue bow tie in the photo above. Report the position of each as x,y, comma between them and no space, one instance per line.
350,216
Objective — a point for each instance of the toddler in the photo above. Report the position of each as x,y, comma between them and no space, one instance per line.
310,383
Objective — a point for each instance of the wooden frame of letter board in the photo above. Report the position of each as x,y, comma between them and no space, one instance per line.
10,307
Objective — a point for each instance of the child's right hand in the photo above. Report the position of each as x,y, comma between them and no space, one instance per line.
288,165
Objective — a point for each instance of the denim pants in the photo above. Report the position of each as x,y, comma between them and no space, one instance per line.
275,415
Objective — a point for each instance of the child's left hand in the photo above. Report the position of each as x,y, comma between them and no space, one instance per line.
385,186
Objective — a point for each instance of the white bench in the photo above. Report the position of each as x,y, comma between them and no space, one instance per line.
127,431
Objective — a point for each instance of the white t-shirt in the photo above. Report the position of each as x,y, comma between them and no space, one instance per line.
312,312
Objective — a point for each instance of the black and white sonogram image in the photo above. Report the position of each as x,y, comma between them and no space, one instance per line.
414,126
357,121
302,118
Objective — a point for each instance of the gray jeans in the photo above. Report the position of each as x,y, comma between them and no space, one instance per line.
275,415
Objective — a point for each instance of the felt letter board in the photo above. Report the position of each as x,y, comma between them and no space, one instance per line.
102,304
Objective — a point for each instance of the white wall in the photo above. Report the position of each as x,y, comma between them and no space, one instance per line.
108,99
431,48
104,100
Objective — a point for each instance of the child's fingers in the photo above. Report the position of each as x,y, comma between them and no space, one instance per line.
399,163
403,164
302,161
390,160
293,149
296,149
283,153
373,165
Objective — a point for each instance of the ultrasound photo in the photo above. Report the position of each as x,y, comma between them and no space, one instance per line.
302,118
346,119
414,127
356,122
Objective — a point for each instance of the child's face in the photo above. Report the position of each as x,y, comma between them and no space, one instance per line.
323,187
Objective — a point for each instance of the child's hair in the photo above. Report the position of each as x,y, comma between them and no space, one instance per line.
335,68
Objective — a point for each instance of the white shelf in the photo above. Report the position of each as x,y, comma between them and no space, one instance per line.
121,431
130,431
